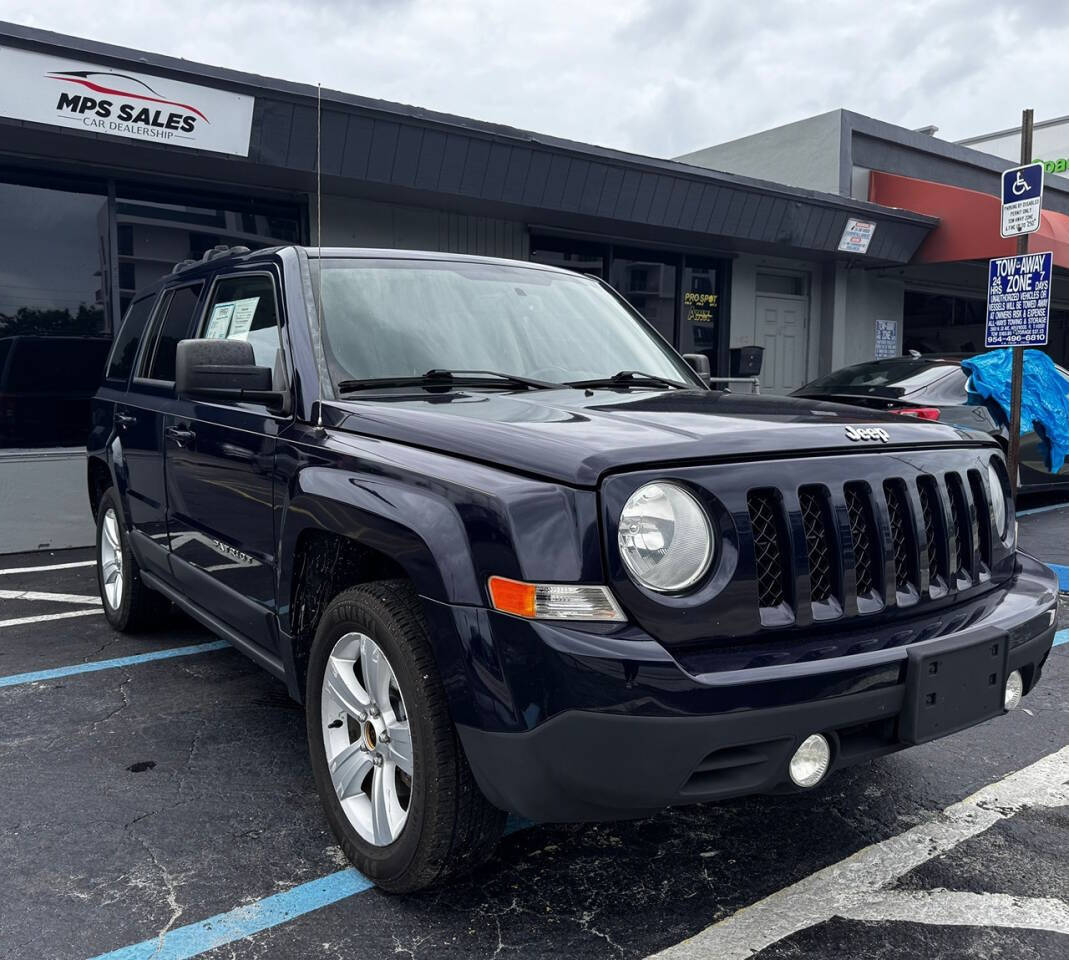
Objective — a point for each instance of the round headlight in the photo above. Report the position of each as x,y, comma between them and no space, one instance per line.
665,539
998,499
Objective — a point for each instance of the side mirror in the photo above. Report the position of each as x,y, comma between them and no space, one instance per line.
699,363
224,370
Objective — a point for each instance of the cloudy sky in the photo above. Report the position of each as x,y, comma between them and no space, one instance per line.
660,77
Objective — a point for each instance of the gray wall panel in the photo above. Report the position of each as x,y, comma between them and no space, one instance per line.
354,222
302,145
383,150
335,125
431,157
406,159
357,147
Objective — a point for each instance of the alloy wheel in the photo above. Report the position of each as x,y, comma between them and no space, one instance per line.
111,559
367,739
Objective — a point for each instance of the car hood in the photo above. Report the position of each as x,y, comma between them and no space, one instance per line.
576,436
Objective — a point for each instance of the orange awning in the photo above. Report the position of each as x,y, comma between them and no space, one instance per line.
968,221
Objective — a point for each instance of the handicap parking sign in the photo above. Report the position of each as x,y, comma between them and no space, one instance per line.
1022,199
1018,300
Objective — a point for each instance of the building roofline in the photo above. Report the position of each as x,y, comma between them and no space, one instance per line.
193,72
1017,129
947,149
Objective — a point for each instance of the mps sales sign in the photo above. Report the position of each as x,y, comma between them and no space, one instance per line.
43,88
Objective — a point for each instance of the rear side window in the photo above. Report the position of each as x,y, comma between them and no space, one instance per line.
174,324
124,349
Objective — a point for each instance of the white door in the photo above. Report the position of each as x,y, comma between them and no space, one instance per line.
781,330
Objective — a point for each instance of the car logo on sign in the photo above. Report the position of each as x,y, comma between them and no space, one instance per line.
868,433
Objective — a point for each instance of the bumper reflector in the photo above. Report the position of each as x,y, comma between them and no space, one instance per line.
810,761
1011,700
554,601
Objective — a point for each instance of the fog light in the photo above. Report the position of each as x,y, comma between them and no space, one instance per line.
810,761
1011,699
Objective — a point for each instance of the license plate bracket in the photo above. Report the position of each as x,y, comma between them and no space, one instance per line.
953,686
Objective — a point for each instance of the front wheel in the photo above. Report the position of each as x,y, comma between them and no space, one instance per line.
394,781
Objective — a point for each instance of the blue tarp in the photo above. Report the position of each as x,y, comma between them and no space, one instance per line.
1044,397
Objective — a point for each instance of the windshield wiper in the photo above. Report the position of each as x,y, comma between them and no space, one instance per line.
629,378
440,378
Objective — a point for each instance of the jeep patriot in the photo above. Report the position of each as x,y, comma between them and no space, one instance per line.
513,554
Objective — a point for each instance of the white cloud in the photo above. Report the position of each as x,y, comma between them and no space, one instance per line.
660,77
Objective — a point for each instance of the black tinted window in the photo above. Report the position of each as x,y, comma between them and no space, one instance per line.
175,325
125,347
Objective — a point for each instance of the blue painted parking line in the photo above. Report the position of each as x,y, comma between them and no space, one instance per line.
1062,636
1063,575
241,922
56,672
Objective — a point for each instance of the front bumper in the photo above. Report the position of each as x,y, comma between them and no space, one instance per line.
561,724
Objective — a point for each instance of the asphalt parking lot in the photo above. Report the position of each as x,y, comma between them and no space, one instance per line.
156,801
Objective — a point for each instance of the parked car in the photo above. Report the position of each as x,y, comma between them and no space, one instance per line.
513,555
933,387
46,384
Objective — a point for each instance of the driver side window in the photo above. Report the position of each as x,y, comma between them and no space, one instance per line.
244,308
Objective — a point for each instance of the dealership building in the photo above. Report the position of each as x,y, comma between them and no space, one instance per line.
825,242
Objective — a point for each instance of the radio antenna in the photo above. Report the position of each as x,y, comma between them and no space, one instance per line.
319,249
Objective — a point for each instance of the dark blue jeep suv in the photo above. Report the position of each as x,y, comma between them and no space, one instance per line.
513,554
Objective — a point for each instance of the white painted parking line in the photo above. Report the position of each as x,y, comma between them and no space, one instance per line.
51,566
854,882
19,621
955,908
54,597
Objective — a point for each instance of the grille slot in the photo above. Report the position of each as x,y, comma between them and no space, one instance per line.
931,511
819,541
863,531
983,514
900,522
959,520
770,546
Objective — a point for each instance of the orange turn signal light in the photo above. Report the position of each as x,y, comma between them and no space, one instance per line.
513,596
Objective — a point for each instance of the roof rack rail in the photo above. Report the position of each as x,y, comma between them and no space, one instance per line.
219,250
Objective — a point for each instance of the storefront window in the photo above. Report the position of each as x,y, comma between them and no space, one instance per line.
579,255
700,326
687,314
153,232
648,280
62,291
54,330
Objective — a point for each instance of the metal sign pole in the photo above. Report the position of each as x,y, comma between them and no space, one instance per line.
1017,383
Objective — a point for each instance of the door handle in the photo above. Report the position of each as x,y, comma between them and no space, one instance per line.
180,435
124,420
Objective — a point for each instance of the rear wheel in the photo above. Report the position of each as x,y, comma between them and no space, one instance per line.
388,764
129,605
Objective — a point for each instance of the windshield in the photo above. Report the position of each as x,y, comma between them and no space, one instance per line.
892,377
385,319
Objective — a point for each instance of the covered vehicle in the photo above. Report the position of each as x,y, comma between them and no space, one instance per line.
936,387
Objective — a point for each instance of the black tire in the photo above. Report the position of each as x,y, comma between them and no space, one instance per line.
139,607
450,826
